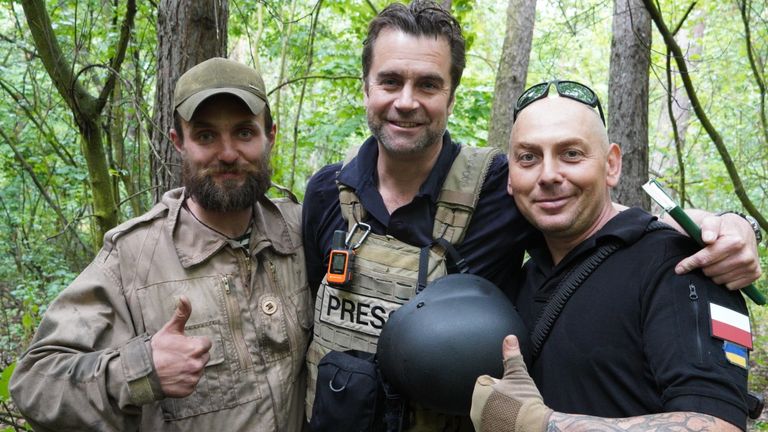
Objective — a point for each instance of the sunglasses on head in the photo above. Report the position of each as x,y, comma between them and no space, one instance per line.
570,89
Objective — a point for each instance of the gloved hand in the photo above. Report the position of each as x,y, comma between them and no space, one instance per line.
511,404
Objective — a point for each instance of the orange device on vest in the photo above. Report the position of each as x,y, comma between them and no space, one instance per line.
341,261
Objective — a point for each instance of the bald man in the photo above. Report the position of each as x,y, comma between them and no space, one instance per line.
635,345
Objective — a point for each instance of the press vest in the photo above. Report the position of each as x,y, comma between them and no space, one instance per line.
386,270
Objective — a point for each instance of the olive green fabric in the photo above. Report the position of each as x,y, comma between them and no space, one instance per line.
217,76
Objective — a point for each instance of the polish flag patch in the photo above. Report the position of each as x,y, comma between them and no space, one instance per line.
729,325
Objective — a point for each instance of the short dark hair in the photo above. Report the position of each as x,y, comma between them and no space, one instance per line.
180,132
420,18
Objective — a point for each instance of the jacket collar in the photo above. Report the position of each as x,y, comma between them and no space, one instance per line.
360,174
195,243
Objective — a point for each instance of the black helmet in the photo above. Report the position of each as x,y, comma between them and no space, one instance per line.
435,346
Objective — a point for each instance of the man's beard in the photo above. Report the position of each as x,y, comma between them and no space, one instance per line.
427,139
228,195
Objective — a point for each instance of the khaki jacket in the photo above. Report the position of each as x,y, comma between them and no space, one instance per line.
90,367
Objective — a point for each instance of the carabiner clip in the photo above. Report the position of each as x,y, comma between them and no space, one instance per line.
364,227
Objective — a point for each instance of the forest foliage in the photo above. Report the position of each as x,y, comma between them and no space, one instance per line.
309,53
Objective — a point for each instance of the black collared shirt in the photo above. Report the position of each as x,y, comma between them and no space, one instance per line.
634,338
495,240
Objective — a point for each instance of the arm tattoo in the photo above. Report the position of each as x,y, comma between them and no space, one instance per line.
663,422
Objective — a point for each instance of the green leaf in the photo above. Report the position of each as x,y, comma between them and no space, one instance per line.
5,379
27,321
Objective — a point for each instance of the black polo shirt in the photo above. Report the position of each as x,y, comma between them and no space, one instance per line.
495,240
635,338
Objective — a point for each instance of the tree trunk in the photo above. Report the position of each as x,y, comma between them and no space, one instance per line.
86,108
188,32
628,98
513,69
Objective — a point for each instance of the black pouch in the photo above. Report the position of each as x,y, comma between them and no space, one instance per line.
347,395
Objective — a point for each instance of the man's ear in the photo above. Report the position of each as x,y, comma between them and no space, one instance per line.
271,135
178,140
613,165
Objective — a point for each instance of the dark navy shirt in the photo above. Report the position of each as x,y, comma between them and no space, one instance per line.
634,338
495,240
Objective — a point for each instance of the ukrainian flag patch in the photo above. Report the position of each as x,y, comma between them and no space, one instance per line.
736,354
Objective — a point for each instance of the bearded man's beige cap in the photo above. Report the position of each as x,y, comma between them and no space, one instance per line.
218,76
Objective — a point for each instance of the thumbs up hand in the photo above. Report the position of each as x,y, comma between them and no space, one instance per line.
512,403
179,360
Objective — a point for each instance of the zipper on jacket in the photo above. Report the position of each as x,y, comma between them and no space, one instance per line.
694,297
290,334
245,269
273,276
235,324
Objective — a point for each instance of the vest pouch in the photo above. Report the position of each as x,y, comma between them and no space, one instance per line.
347,395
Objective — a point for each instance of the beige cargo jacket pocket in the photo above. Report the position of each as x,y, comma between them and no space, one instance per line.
217,388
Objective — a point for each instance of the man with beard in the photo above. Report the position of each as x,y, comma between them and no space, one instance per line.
194,316
410,197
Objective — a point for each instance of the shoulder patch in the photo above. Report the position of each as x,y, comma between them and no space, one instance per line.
736,354
730,325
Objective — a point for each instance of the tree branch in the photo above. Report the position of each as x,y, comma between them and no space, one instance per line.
309,77
310,58
51,55
28,168
36,119
135,194
759,78
682,20
714,135
30,53
372,6
117,60
675,132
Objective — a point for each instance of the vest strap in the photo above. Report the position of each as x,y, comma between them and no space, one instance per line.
456,202
460,193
